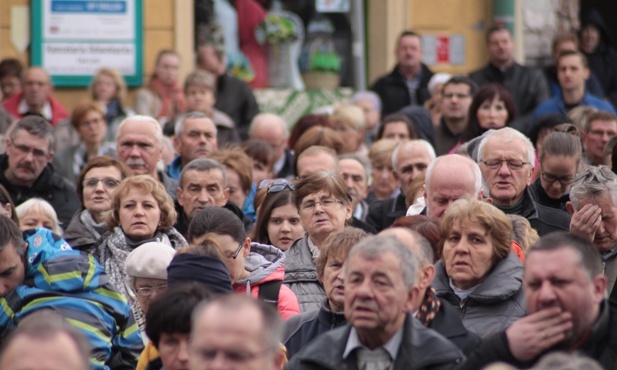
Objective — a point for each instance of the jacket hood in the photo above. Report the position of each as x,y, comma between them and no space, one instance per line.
502,282
592,16
264,263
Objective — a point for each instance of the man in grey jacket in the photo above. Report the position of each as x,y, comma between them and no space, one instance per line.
380,273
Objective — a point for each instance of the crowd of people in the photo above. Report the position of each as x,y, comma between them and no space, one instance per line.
432,222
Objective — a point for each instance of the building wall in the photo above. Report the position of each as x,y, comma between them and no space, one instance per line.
168,24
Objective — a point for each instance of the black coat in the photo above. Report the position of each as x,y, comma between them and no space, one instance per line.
49,186
544,219
600,346
235,97
383,213
393,91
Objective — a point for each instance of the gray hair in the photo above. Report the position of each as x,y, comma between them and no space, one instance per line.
376,246
190,115
508,134
475,169
158,130
202,165
36,126
362,160
592,183
368,95
408,145
38,204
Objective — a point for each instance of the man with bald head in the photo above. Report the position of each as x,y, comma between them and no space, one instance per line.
448,178
233,96
35,98
409,160
273,130
427,307
139,145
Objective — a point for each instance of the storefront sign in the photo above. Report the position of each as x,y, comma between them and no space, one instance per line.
71,39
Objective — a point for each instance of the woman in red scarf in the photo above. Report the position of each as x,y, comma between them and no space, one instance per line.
163,99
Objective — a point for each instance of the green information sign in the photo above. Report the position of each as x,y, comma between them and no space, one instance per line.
71,39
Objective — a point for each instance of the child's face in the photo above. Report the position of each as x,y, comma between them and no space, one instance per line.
200,99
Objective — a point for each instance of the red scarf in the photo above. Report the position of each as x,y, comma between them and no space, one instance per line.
172,99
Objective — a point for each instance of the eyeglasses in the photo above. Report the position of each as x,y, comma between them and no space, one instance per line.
108,182
513,164
147,291
309,205
237,252
565,180
25,150
274,186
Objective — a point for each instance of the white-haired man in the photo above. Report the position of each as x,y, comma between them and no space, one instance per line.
507,158
409,159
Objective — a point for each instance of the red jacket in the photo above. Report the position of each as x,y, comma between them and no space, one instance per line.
58,112
267,263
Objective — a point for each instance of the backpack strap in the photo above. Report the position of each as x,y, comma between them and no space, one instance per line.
269,292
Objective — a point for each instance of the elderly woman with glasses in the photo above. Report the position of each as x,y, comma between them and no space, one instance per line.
324,207
560,159
95,185
278,221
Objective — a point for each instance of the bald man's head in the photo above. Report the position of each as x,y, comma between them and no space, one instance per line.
271,129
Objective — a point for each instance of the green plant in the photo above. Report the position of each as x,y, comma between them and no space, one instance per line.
276,29
325,62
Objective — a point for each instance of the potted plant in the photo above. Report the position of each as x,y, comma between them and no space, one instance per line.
323,68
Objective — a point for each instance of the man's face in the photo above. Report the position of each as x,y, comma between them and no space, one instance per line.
506,185
590,37
409,52
456,100
356,181
199,99
138,147
209,60
411,162
173,351
448,183
500,47
27,352
198,139
202,189
571,72
371,114
274,136
309,164
12,270
224,339
594,140
606,234
555,278
376,298
168,69
563,47
28,155
36,87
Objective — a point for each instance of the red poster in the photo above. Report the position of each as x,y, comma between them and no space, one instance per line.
443,49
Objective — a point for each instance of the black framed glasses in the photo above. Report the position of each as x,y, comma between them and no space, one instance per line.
238,251
513,164
564,180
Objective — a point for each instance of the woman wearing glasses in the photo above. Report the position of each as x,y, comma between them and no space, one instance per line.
559,162
255,269
94,186
278,221
324,206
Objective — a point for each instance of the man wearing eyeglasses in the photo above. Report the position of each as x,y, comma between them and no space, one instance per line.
26,170
600,127
506,158
593,207
457,94
39,271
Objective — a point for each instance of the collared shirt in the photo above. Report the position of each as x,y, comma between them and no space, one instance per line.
392,346
313,248
46,112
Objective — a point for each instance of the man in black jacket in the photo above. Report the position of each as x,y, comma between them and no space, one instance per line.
564,294
527,86
27,171
407,84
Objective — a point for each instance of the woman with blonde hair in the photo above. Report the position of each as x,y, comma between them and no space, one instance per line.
36,213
